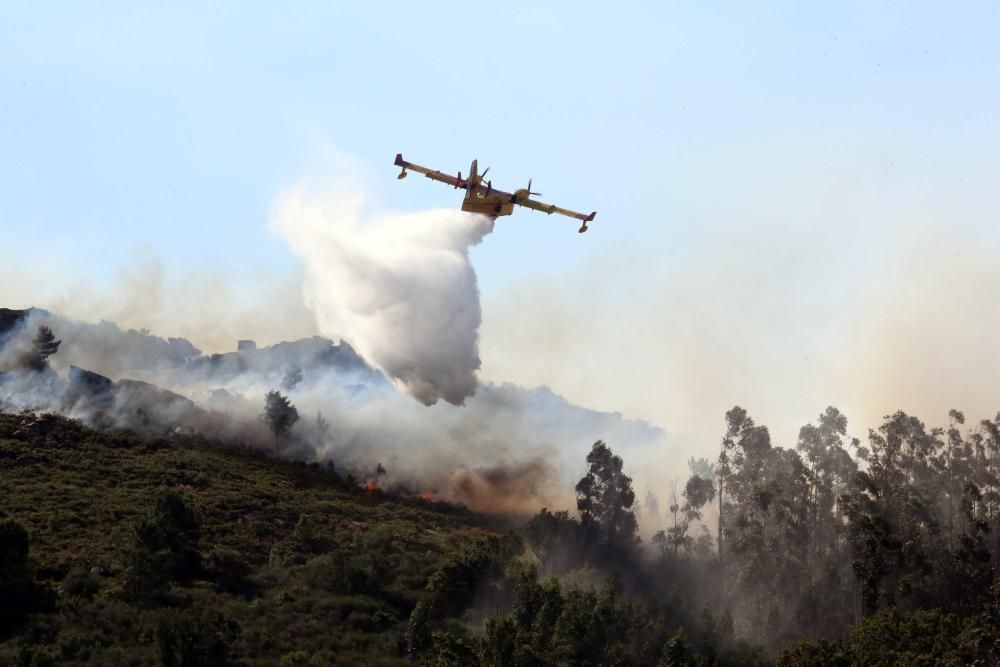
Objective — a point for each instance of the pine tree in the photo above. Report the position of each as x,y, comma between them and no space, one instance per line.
280,415
322,427
43,346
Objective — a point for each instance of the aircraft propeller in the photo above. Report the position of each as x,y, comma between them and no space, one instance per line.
538,194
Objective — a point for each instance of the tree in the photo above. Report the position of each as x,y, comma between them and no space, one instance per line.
697,492
163,547
650,511
969,566
555,537
280,415
43,346
322,426
985,464
16,586
831,470
292,378
890,513
499,646
417,636
745,448
702,467
181,530
13,553
147,563
765,516
604,497
675,653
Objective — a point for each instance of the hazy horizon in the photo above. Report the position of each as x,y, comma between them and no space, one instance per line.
794,204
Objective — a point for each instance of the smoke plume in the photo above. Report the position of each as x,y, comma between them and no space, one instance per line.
399,288
517,489
509,451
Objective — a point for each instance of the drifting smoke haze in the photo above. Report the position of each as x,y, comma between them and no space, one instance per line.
868,302
400,290
512,489
211,306
509,450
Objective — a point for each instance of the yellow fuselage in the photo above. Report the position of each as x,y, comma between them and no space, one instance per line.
476,201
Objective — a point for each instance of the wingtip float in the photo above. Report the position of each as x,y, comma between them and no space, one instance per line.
481,197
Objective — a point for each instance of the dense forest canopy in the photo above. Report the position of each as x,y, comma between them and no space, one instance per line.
835,552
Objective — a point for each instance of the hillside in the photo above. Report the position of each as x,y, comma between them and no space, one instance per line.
170,526
296,564
119,550
110,378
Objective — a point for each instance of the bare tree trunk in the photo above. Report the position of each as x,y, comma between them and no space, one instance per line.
951,493
719,545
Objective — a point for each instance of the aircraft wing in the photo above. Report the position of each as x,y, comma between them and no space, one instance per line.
433,174
551,208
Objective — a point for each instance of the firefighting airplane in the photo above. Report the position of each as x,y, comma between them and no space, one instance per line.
486,199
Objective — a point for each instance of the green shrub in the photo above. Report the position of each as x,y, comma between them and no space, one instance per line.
180,529
187,638
819,653
229,569
77,645
926,637
81,583
36,656
148,563
310,536
343,573
295,659
162,547
285,553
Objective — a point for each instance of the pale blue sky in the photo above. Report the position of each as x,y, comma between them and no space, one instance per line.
171,129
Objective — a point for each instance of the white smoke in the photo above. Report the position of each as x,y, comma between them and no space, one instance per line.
399,288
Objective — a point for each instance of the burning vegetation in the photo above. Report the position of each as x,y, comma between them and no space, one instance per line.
837,551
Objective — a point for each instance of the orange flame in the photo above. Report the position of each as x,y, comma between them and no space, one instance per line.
370,485
427,495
